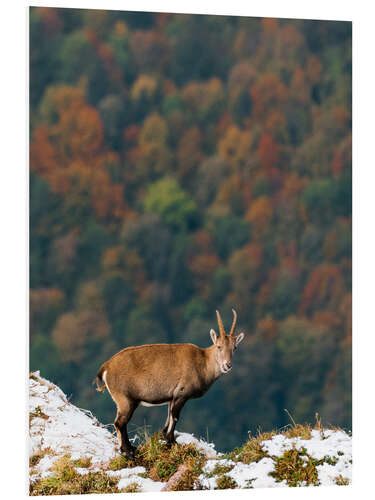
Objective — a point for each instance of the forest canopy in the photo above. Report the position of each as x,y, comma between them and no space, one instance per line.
181,164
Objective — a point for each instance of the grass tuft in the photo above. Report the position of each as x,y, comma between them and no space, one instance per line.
161,461
120,462
83,462
252,450
225,482
341,481
131,488
296,468
37,457
37,413
65,480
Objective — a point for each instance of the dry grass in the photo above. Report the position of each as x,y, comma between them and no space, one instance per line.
84,462
162,461
119,462
341,481
37,413
225,482
132,488
37,457
252,450
65,480
297,468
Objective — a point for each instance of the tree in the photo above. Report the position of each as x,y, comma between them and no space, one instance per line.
166,198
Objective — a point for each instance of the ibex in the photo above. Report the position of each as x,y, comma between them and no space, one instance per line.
160,374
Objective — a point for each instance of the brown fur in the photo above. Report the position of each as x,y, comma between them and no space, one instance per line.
163,373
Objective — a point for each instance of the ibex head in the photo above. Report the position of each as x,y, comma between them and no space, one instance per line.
225,344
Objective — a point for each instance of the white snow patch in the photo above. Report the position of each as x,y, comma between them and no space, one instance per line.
207,448
144,484
210,465
255,475
335,445
65,428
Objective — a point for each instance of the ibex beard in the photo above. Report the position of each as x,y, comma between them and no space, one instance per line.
164,374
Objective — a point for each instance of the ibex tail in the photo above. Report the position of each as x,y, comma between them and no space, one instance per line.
99,379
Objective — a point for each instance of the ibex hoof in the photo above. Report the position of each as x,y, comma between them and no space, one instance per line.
129,453
171,441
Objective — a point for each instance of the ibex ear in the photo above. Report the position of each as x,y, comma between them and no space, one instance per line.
239,338
213,335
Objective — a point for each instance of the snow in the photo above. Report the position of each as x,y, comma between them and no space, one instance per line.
255,475
211,464
65,428
61,428
336,445
58,428
207,448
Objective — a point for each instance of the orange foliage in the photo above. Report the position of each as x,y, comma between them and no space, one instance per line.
245,268
235,147
268,152
70,336
337,164
229,189
204,95
314,69
223,124
64,250
83,130
52,23
323,290
202,266
202,241
275,124
346,312
150,49
44,301
71,157
260,215
328,319
189,153
292,187
268,328
269,25
299,86
131,134
268,93
242,76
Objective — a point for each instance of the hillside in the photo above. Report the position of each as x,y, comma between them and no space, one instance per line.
72,452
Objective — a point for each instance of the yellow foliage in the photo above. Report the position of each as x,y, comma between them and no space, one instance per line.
235,147
145,85
154,130
260,214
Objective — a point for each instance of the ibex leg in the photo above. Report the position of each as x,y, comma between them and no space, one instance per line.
176,406
166,425
125,410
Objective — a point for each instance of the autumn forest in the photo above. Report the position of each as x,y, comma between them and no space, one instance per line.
181,164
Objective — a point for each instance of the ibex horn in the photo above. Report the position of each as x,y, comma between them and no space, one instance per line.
220,323
234,322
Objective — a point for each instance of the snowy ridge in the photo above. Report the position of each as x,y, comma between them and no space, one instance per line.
58,428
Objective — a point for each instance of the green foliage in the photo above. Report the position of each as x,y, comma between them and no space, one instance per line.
183,164
167,199
229,233
305,354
